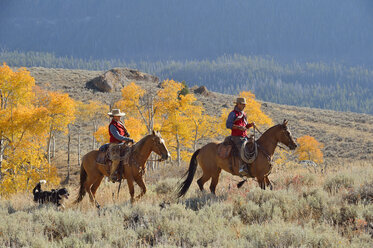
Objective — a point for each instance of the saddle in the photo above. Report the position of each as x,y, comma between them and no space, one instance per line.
103,156
248,152
113,153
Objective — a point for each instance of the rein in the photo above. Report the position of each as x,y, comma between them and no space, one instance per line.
262,134
154,160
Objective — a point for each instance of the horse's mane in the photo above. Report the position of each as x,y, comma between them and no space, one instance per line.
268,131
141,142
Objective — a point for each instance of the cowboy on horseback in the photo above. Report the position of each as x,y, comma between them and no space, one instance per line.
118,135
237,122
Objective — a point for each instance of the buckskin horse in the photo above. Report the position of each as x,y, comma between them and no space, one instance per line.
211,164
92,173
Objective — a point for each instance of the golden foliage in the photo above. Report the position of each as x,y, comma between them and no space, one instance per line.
281,157
23,133
91,111
180,118
309,149
135,127
16,87
253,111
138,105
102,135
130,101
61,110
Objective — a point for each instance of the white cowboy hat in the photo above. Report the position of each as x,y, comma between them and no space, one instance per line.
116,112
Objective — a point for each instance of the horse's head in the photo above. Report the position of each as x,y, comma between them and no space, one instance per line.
285,136
159,146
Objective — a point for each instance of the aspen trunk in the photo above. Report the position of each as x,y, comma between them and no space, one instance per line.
1,156
68,154
178,149
79,146
54,147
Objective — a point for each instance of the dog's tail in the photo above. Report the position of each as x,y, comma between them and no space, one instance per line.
83,179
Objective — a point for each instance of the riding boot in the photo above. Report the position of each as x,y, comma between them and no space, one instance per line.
243,169
113,176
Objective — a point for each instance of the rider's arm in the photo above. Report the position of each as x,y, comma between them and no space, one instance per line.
115,133
230,120
250,125
126,132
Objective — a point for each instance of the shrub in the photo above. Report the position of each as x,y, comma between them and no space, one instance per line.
342,216
335,184
316,202
166,186
363,194
368,214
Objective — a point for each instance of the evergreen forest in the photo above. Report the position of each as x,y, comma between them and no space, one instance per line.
319,85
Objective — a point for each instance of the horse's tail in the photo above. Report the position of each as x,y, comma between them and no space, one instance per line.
184,186
83,179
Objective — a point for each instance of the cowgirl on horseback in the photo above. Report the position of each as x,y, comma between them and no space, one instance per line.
237,122
118,135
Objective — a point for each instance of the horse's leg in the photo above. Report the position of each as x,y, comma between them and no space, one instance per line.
131,188
214,181
203,180
268,182
87,186
140,182
94,189
261,183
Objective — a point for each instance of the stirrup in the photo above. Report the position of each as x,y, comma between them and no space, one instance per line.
243,172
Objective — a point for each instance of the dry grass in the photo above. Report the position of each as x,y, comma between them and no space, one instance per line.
300,212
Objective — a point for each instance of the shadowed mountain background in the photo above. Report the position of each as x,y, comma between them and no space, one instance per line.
304,53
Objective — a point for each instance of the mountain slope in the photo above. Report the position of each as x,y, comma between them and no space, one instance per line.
347,136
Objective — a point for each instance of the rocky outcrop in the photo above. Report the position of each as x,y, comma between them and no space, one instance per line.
115,79
202,91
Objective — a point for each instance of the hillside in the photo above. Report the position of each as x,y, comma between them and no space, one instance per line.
307,208
347,136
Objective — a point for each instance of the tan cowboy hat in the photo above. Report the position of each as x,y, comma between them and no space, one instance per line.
240,100
116,112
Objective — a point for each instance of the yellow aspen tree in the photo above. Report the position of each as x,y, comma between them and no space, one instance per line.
309,149
138,104
22,133
175,131
141,110
177,111
102,135
61,112
15,88
94,112
203,126
253,111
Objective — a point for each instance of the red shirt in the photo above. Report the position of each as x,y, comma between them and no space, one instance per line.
241,121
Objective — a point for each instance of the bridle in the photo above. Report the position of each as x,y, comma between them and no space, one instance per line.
156,160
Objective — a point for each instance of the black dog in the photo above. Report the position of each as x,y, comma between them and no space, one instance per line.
54,196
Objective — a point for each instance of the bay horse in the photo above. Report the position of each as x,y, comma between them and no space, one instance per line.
92,173
211,164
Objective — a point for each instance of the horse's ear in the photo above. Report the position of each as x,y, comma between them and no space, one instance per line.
153,132
285,122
